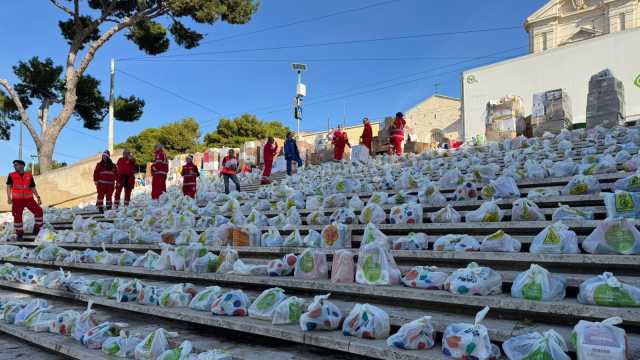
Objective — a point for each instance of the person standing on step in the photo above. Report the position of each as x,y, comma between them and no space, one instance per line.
126,167
20,191
104,176
230,167
291,152
367,135
397,133
189,175
340,140
268,154
159,170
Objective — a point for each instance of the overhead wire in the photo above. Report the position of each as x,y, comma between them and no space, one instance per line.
301,21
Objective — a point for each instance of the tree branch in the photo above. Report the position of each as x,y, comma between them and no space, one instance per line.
76,13
23,113
57,4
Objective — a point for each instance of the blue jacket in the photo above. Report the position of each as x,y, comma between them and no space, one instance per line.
291,150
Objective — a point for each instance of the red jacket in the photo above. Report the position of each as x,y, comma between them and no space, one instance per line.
270,151
230,170
189,174
367,133
397,129
160,164
126,166
104,176
340,139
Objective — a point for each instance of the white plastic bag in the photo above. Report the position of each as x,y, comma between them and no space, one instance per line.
96,336
288,311
282,267
231,303
376,266
500,188
600,340
85,321
342,267
446,215
499,241
534,345
607,290
622,204
406,214
271,238
418,334
461,340
555,238
425,277
265,304
312,239
373,235
355,203
205,298
630,183
317,217
429,194
372,213
564,212
526,210
466,191
321,315
613,236
474,280
456,242
154,344
581,185
538,284
181,352
367,322
178,295
335,236
413,241
489,211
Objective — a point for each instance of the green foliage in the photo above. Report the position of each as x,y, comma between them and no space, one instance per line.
184,36
150,36
38,80
7,114
178,138
235,132
128,109
68,30
36,166
91,107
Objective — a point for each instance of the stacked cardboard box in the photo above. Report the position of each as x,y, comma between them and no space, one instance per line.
605,102
551,112
504,118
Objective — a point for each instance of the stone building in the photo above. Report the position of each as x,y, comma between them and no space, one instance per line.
435,117
563,22
353,133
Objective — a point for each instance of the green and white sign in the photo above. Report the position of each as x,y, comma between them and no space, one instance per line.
637,81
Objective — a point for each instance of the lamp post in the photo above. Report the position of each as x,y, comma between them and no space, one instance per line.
301,92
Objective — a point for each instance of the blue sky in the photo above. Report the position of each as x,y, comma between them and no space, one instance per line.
344,83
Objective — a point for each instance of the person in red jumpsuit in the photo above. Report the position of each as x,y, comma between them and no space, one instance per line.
189,175
269,152
20,191
104,176
367,134
126,167
229,170
340,140
159,170
397,133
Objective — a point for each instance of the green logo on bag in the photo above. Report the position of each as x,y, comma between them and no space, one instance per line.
552,238
295,311
372,269
637,81
620,238
538,354
624,202
267,301
532,291
306,262
605,295
635,183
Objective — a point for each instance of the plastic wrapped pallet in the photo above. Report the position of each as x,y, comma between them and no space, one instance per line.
605,101
551,112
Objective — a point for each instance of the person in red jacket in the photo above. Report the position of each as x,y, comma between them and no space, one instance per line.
189,175
269,152
126,167
159,170
229,170
397,133
20,191
367,134
340,140
104,176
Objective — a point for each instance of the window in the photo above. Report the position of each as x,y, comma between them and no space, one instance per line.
545,41
622,20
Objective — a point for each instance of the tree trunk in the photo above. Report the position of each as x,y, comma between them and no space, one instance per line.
45,153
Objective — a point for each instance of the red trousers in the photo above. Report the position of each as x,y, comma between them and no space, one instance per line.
338,152
397,145
268,165
18,207
158,186
367,143
189,190
105,193
127,194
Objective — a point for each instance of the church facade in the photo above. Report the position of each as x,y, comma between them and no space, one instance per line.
563,22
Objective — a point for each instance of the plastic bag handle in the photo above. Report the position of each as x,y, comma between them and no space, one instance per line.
481,315
612,321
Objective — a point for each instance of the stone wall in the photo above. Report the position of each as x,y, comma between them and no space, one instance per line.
437,112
